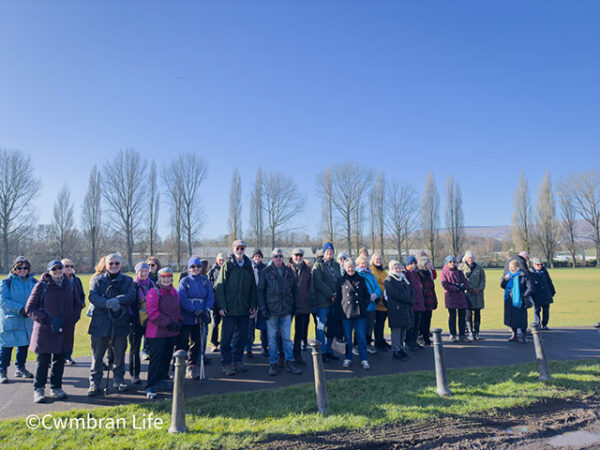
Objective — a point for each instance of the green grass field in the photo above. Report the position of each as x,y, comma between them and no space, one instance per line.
578,296
240,420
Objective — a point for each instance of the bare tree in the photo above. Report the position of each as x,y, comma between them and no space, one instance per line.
522,216
430,217
91,214
153,207
125,194
546,230
18,187
401,209
569,215
62,223
378,216
256,210
358,222
281,202
372,224
350,182
454,216
584,189
174,185
235,206
325,191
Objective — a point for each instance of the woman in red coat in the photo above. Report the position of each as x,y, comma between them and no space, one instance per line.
455,285
55,307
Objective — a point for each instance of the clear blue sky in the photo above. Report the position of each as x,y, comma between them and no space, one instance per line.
480,90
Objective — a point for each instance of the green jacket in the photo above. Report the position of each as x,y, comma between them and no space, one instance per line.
235,289
476,278
323,284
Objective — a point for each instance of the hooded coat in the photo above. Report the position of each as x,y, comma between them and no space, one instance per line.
454,294
163,308
42,306
103,287
475,275
303,280
235,290
195,294
15,329
417,288
544,288
325,275
400,300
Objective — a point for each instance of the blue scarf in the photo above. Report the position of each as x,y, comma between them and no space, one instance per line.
514,287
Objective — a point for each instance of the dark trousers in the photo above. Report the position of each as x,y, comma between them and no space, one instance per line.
6,354
473,320
233,349
300,332
190,333
99,347
413,332
461,313
545,310
425,325
380,317
214,334
135,342
41,370
160,351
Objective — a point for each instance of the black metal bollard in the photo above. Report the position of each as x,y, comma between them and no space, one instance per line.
320,386
540,356
178,410
441,377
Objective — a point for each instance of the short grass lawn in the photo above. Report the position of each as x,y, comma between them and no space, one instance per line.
242,419
578,295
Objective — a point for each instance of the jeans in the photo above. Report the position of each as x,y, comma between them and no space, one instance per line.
359,327
300,332
452,313
160,351
398,338
233,349
6,353
380,317
283,325
41,370
135,342
99,347
545,310
320,331
473,320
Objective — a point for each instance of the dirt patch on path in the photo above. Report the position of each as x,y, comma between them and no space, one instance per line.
524,427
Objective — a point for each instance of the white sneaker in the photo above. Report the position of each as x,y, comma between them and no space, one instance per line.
371,349
59,394
346,364
38,395
365,364
355,350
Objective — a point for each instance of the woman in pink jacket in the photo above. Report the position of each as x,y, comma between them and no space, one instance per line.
164,322
455,285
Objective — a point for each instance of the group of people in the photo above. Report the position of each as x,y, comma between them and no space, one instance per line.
349,300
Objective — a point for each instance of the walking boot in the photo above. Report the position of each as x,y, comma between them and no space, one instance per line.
291,368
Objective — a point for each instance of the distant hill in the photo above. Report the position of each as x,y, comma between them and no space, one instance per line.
502,232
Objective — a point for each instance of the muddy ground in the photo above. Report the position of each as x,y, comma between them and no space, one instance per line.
532,427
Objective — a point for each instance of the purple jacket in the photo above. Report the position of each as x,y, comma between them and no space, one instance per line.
454,295
42,339
415,283
161,311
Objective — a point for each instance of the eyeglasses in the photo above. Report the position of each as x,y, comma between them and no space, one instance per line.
55,268
240,248
68,266
152,265
298,255
21,268
114,263
278,256
194,266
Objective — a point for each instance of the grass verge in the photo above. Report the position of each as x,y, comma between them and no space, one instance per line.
241,419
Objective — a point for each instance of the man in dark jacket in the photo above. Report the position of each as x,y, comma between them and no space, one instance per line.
112,294
277,290
69,272
303,276
235,299
544,292
213,274
325,274
257,320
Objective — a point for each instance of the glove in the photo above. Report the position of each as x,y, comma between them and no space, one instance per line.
205,316
115,305
172,326
373,296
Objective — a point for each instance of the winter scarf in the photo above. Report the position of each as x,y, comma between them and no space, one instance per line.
513,286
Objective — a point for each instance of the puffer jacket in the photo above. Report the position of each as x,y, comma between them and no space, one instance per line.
15,329
325,275
195,294
352,296
400,299
235,290
303,280
380,274
475,275
455,284
544,288
373,287
415,283
163,307
102,288
277,293
429,295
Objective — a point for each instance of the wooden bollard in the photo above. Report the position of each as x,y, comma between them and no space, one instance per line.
540,356
441,377
320,386
178,410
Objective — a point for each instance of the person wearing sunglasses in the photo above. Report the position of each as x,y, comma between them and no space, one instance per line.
15,325
277,295
112,294
154,265
213,274
55,307
302,272
196,300
235,295
69,272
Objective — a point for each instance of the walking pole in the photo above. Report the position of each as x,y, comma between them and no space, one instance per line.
110,343
202,376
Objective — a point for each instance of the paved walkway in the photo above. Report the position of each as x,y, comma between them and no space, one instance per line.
16,398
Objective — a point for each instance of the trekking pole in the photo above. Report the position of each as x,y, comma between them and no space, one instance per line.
441,377
540,356
110,343
202,374
320,386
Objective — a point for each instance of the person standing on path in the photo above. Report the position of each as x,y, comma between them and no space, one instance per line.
475,275
400,299
55,307
139,319
376,294
213,274
69,272
427,275
15,326
544,292
302,272
112,294
380,274
517,288
455,285
419,303
257,320
236,301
